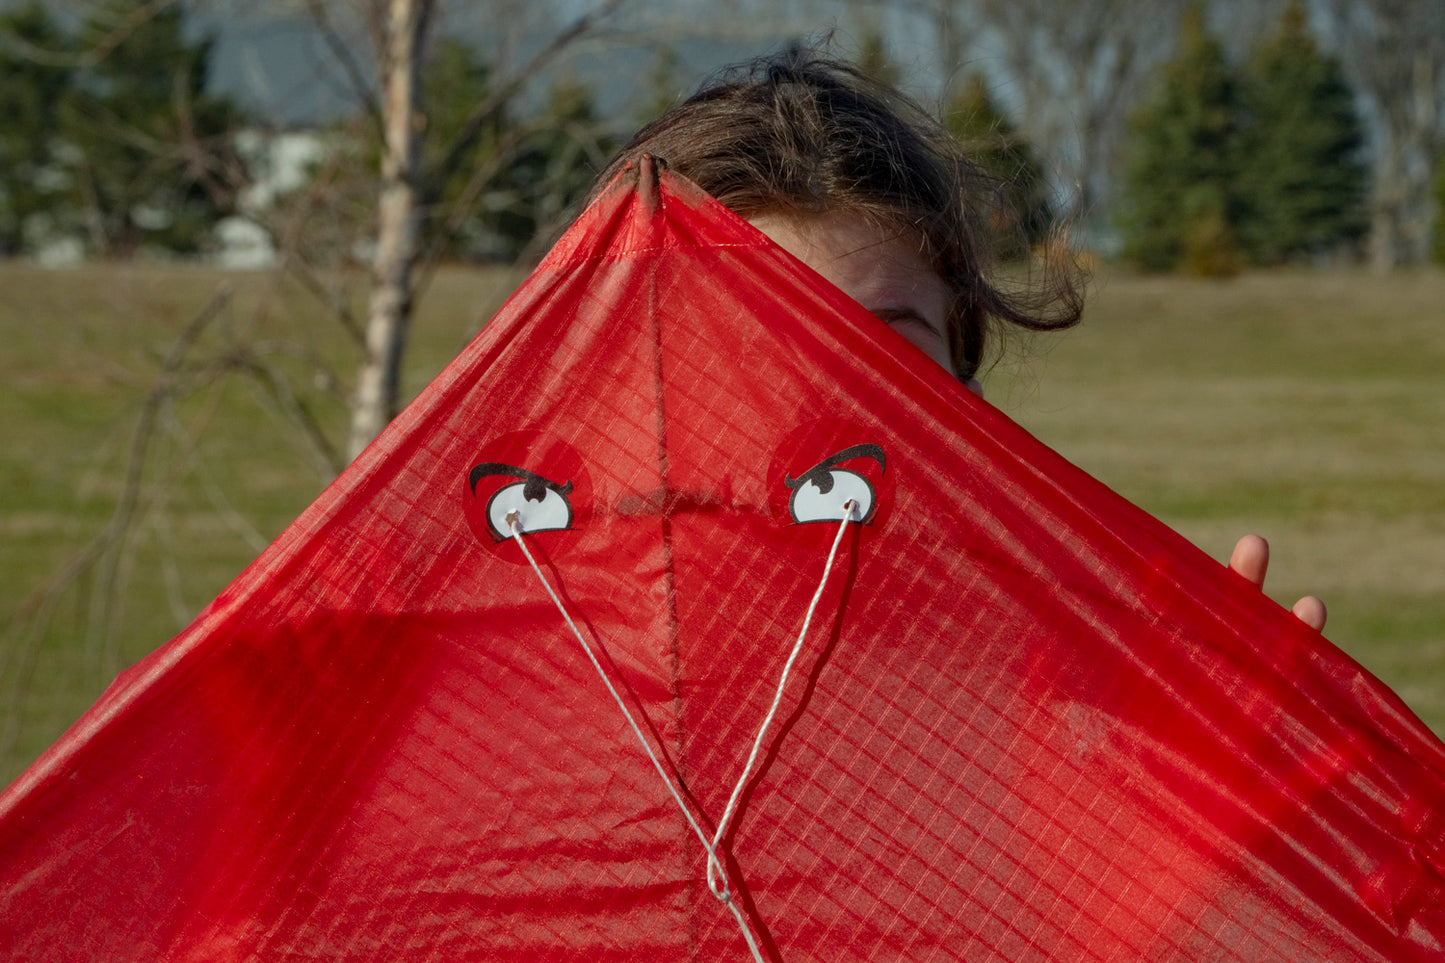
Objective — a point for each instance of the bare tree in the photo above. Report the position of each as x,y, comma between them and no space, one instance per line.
1069,72
1394,53
378,383
401,40
1088,61
379,46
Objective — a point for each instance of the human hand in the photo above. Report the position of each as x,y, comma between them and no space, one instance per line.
1251,559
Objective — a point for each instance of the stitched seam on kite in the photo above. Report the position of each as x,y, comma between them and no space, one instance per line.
725,895
717,880
633,253
850,509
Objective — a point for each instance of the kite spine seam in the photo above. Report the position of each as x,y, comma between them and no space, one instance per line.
724,896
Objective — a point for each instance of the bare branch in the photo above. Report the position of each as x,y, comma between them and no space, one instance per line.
325,457
104,555
503,93
134,20
296,265
481,176
341,50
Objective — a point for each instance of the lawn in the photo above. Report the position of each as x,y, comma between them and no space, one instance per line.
1304,406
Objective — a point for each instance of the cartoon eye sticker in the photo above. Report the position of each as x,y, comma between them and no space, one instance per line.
539,504
820,493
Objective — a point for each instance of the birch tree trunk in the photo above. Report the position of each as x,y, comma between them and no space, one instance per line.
378,385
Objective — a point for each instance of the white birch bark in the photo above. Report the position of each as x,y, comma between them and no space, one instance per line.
378,386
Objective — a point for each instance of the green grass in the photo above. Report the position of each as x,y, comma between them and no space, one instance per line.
1306,407
83,352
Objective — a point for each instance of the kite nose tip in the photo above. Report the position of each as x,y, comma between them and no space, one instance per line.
649,170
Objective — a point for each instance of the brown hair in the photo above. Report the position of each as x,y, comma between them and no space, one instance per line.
798,134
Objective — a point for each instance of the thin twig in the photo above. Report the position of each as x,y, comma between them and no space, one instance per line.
103,555
362,90
499,97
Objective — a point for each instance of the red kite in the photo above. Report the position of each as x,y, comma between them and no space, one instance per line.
1025,721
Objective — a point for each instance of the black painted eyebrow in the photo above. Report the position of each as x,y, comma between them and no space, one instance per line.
535,485
818,474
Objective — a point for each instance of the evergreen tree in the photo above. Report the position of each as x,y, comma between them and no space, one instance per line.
1439,192
558,159
34,86
148,145
519,173
664,87
1179,204
462,207
873,60
1302,177
1025,215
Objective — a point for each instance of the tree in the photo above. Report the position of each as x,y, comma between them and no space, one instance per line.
663,86
401,41
1394,53
1180,207
556,161
1075,70
520,173
29,99
993,143
147,146
1439,191
398,214
1302,176
873,59
457,78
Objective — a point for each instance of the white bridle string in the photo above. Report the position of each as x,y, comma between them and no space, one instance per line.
717,880
849,507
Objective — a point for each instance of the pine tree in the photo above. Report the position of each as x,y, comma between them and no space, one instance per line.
519,174
35,83
1179,204
149,150
562,150
873,59
1302,178
1439,192
664,86
992,142
461,214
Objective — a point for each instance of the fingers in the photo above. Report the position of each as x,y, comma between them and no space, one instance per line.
1310,611
1251,558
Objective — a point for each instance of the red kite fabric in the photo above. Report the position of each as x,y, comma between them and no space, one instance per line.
1028,722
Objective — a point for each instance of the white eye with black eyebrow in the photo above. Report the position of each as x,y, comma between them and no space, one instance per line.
538,504
824,492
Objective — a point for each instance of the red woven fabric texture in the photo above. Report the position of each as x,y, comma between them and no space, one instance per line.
1030,723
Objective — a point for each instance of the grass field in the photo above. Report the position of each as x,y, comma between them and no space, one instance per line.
1306,407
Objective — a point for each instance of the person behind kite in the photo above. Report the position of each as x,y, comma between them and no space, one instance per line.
517,685
860,183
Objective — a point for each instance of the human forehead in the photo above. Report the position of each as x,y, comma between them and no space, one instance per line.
881,267
844,245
